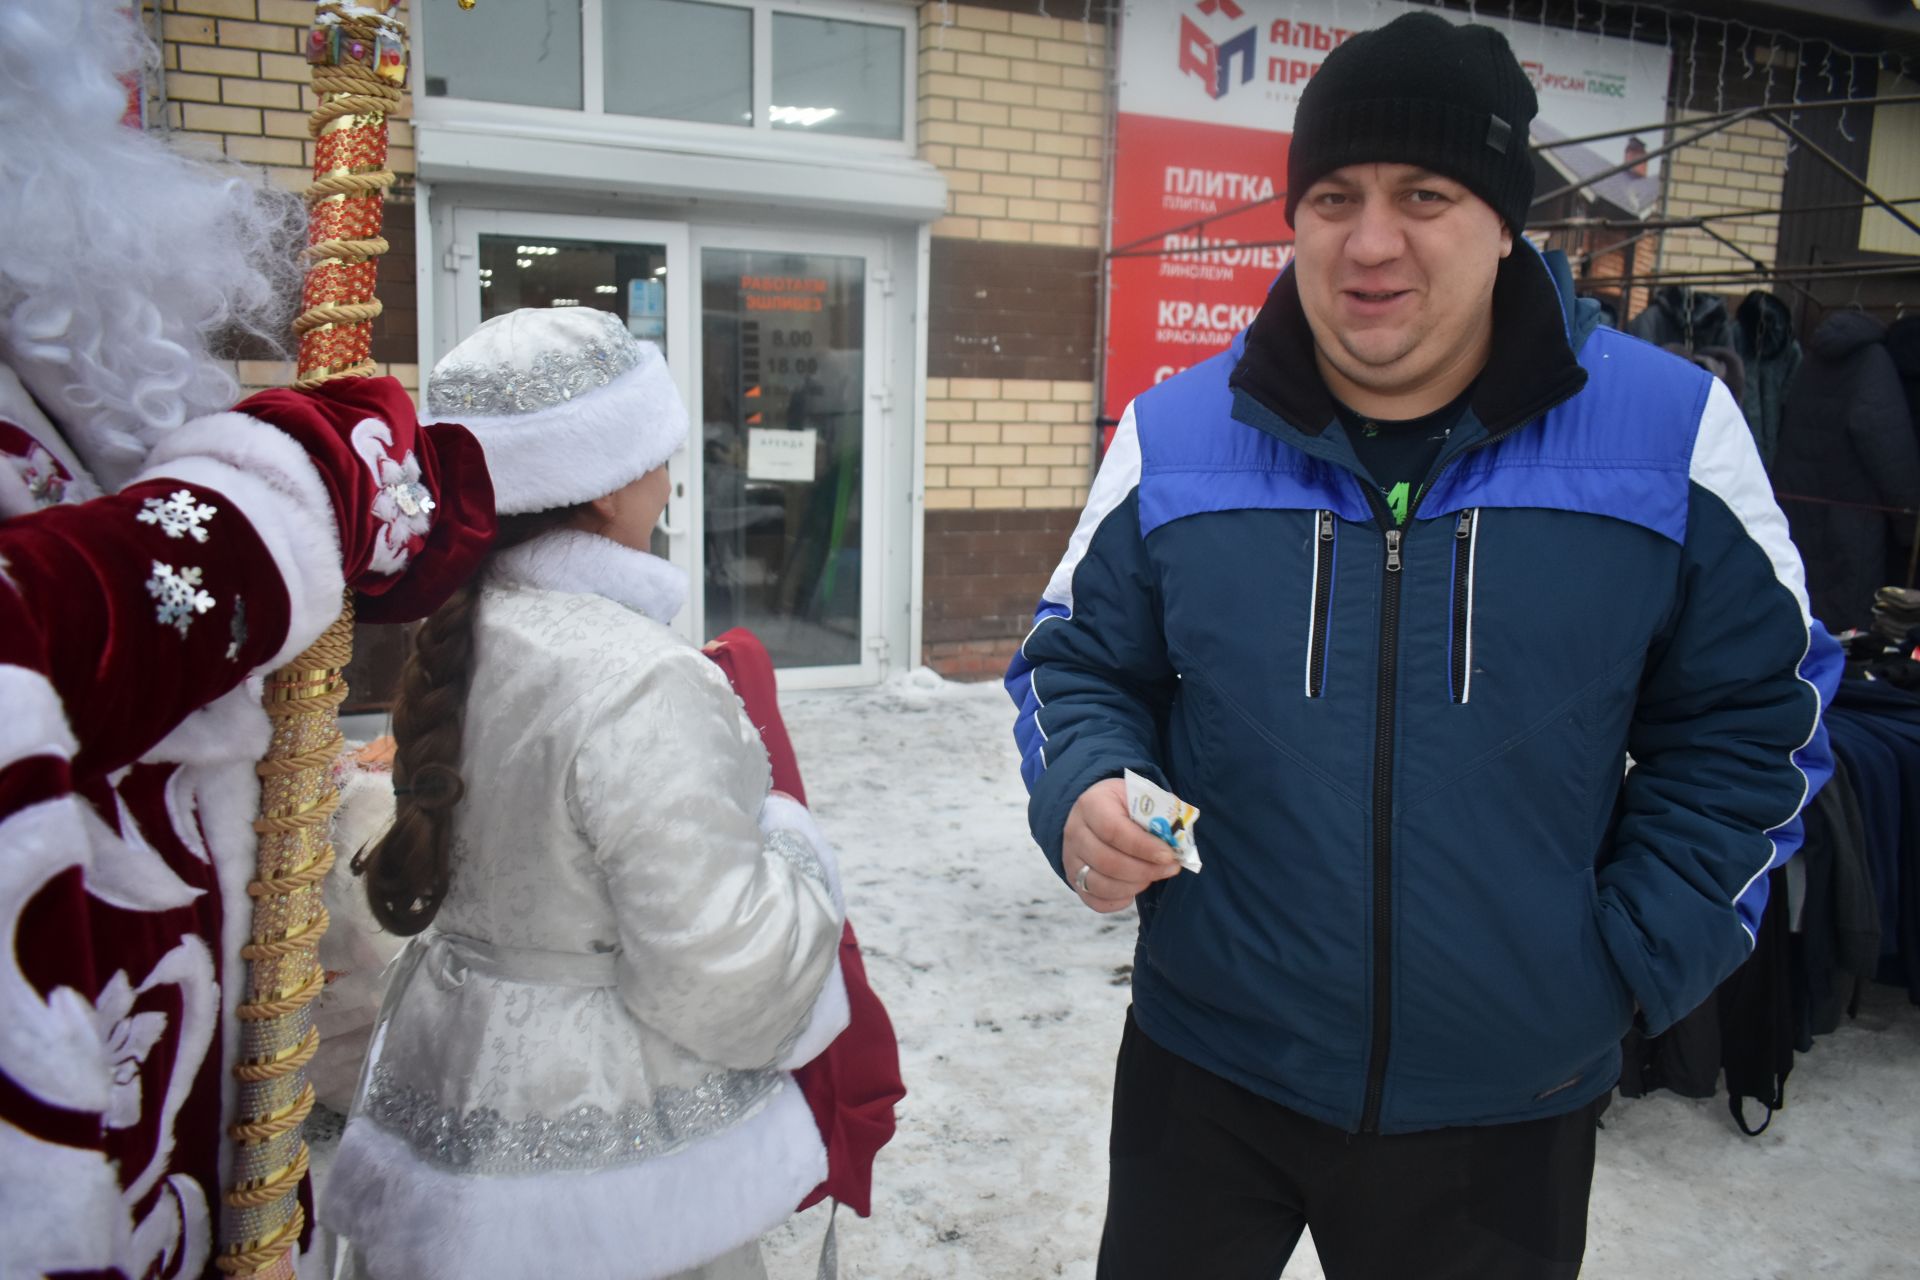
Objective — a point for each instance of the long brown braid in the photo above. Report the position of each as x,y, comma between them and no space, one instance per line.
409,869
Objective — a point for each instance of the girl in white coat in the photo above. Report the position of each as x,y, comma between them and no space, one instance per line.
580,1070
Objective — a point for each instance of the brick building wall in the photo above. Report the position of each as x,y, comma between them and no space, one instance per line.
1013,109
1741,167
234,86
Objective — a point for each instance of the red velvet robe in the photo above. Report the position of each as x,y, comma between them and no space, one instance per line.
133,628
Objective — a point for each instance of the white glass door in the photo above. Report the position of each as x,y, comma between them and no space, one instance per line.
790,419
638,270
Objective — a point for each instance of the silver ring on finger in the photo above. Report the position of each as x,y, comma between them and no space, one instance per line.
1080,881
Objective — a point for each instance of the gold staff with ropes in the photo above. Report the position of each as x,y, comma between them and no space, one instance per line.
359,57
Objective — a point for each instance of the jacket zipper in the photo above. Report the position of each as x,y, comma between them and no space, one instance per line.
1322,614
1462,646
1383,786
1383,827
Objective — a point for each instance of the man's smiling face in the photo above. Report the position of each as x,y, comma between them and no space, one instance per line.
1395,267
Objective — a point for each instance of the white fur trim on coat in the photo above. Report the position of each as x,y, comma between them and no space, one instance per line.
222,801
269,478
582,563
234,726
586,448
406,1217
36,719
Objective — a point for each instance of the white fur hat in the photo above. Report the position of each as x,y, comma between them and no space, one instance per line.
566,403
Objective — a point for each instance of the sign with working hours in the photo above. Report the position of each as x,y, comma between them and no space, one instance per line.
1208,90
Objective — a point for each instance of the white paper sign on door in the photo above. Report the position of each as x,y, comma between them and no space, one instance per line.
774,454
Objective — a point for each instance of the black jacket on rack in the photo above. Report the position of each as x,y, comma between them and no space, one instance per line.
1875,732
1771,356
1837,946
1903,341
1847,437
1746,1028
1693,318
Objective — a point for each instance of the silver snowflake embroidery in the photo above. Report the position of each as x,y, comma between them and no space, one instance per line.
180,516
179,595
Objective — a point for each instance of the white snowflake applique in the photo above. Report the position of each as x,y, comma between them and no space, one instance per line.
403,507
180,516
179,595
126,1038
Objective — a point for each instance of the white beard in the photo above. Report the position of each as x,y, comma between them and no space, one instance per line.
122,259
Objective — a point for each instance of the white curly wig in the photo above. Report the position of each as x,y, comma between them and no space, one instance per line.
122,260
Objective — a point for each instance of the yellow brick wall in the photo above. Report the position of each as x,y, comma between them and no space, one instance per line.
997,443
1743,167
235,86
1013,112
261,375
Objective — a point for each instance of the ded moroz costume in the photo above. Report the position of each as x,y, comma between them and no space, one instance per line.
157,555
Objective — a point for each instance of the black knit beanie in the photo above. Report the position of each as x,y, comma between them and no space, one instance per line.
1422,91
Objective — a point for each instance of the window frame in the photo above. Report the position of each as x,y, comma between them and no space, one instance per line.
758,139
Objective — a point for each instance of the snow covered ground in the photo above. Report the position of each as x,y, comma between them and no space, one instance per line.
1008,998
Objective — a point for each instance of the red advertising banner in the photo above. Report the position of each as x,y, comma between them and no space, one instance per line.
1188,271
1208,90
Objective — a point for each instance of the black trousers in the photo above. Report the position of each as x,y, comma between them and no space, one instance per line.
1212,1182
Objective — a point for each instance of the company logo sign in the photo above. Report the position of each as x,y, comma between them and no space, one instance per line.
1215,62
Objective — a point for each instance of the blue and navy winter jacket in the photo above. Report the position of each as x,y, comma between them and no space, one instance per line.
1472,788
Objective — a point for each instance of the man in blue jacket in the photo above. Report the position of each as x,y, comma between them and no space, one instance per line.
1475,635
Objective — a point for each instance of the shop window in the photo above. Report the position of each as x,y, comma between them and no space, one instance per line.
752,65
837,77
526,53
679,60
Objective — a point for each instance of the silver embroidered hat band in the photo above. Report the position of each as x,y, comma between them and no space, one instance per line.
566,403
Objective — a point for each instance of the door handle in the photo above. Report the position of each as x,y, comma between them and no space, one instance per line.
670,530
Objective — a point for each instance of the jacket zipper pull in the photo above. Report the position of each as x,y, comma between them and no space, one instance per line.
1393,551
1326,526
1465,527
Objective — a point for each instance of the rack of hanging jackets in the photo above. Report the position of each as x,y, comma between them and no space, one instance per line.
1844,912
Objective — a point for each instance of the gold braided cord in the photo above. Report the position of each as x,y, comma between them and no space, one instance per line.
340,108
266,1010
350,183
320,757
353,82
337,313
362,369
323,658
348,250
301,822
298,880
295,1116
286,1182
287,710
297,794
303,939
273,1257
298,1056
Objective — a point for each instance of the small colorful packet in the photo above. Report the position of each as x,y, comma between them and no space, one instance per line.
1165,815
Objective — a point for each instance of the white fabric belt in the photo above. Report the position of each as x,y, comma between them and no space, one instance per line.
450,957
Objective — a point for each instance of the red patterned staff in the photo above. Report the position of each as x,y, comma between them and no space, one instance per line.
359,57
